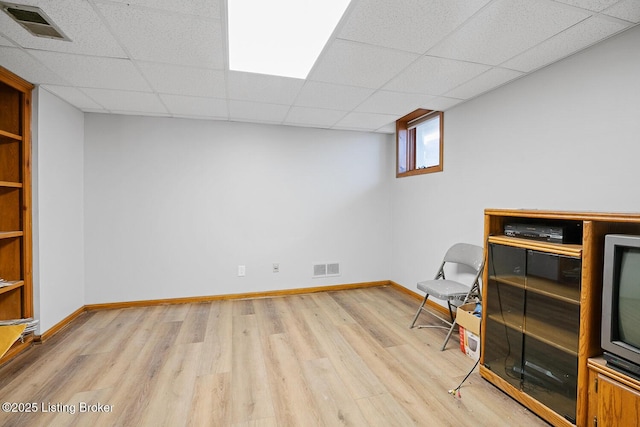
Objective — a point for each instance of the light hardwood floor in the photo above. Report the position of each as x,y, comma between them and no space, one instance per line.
330,358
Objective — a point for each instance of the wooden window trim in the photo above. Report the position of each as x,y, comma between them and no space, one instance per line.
405,135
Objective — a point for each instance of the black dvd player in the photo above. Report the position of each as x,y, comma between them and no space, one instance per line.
544,232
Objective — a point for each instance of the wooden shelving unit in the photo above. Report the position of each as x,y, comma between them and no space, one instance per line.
16,295
563,320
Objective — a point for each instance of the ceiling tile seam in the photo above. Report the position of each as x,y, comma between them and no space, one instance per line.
603,15
459,27
568,6
103,108
122,45
145,8
91,97
333,36
552,37
330,126
492,88
379,46
27,52
343,20
224,32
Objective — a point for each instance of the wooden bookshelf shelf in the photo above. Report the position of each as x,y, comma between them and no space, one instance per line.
10,135
9,184
10,285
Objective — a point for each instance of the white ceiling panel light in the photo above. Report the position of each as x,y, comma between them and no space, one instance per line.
280,37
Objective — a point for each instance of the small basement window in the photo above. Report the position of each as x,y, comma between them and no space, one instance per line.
419,142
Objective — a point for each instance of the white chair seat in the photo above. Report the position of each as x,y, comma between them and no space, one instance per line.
444,289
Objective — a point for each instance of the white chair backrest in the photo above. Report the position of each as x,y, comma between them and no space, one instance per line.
467,254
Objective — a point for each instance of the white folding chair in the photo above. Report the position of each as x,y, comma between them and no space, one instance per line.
454,292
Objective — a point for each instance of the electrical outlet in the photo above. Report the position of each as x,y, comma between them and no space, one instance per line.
242,270
276,268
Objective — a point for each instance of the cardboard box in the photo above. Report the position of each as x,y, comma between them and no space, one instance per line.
469,329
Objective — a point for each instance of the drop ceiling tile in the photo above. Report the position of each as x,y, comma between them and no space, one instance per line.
594,5
388,129
435,76
5,42
628,10
411,25
93,71
395,103
263,88
507,28
151,35
26,66
442,103
358,64
578,37
126,101
77,19
73,96
317,117
192,106
205,8
178,80
365,121
483,83
331,96
257,112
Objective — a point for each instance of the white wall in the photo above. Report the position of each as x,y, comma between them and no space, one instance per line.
58,209
173,206
563,138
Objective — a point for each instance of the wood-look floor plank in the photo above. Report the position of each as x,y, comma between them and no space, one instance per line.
335,404
357,376
300,335
366,319
250,396
288,387
166,404
132,396
401,383
192,330
326,359
384,411
332,309
211,402
217,347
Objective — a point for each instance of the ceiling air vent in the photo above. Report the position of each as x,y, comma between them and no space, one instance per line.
34,20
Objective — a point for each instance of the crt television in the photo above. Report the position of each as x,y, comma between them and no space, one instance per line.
621,302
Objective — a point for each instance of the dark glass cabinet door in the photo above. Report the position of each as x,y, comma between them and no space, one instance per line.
532,324
552,324
505,312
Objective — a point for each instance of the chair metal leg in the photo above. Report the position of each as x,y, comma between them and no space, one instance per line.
450,311
446,340
418,312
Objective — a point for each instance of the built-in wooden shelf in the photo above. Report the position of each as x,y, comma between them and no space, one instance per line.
538,245
16,256
544,287
10,135
11,234
10,285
